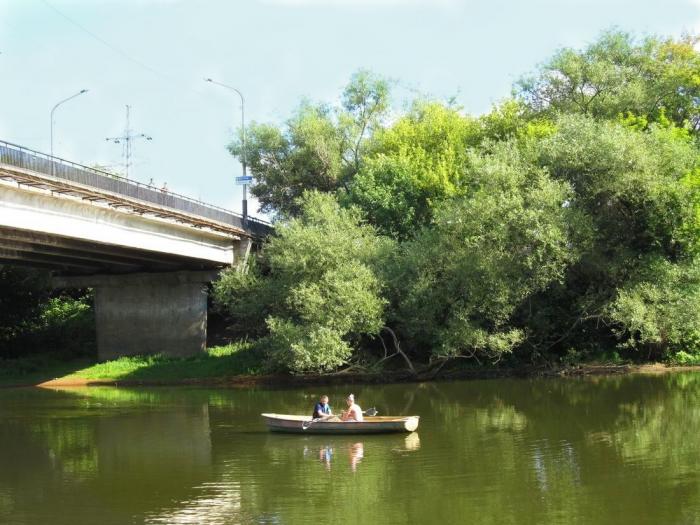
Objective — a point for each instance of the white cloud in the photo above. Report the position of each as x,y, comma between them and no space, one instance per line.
361,3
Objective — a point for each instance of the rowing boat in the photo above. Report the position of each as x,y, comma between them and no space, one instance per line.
370,425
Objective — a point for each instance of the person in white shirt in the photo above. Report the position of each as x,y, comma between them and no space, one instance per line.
354,412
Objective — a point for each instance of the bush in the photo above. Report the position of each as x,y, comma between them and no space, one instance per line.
685,359
659,310
320,292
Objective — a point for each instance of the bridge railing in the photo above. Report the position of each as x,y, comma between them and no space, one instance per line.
29,159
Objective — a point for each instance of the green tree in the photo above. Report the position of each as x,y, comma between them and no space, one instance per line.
628,182
635,189
413,166
658,310
23,291
616,75
33,319
320,292
460,281
537,227
319,147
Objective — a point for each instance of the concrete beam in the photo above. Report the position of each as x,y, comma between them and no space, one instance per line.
135,279
144,258
53,265
109,261
38,211
58,262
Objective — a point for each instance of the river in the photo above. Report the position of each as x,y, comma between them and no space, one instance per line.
615,450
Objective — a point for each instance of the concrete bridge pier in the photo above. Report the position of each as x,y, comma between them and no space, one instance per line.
148,313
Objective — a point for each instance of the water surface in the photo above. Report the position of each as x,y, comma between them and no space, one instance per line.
543,451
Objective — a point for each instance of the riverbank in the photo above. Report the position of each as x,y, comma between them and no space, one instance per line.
239,365
233,360
284,380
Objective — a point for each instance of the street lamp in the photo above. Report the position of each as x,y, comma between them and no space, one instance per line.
244,158
52,111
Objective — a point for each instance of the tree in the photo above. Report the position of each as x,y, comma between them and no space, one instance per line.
33,319
461,280
323,290
616,75
658,310
629,182
635,189
568,217
319,148
23,291
412,167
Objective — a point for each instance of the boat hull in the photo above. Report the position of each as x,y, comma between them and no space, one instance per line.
371,425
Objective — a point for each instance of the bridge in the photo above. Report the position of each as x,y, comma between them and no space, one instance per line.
147,253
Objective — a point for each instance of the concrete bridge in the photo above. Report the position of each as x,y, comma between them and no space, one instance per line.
148,253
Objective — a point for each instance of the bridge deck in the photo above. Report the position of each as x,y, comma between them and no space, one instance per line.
33,168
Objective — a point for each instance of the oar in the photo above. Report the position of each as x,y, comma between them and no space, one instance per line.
306,424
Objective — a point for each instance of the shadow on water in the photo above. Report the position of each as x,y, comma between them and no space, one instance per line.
602,450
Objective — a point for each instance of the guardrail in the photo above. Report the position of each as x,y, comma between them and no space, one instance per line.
29,159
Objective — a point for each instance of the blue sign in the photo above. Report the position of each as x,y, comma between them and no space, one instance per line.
244,180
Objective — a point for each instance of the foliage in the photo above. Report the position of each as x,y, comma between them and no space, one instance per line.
65,326
512,119
319,147
565,218
628,185
412,167
683,358
463,278
659,310
32,319
22,293
246,297
323,290
616,75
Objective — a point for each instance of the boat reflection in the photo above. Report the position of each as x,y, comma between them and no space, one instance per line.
354,451
411,442
357,452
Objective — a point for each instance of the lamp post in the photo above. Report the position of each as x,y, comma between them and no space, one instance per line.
244,157
52,112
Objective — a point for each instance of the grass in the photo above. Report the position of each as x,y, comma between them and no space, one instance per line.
240,358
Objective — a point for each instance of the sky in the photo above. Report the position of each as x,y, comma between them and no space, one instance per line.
154,54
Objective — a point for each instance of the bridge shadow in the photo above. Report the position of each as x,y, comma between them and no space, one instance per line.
36,369
214,365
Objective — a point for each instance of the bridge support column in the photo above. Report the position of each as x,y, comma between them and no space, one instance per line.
140,314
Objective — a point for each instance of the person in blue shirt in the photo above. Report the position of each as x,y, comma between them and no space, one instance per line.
322,408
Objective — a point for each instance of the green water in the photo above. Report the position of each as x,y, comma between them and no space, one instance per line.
613,450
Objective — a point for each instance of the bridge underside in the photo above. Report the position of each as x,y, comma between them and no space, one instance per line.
69,256
148,254
160,309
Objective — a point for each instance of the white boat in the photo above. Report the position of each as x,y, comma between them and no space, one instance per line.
333,424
